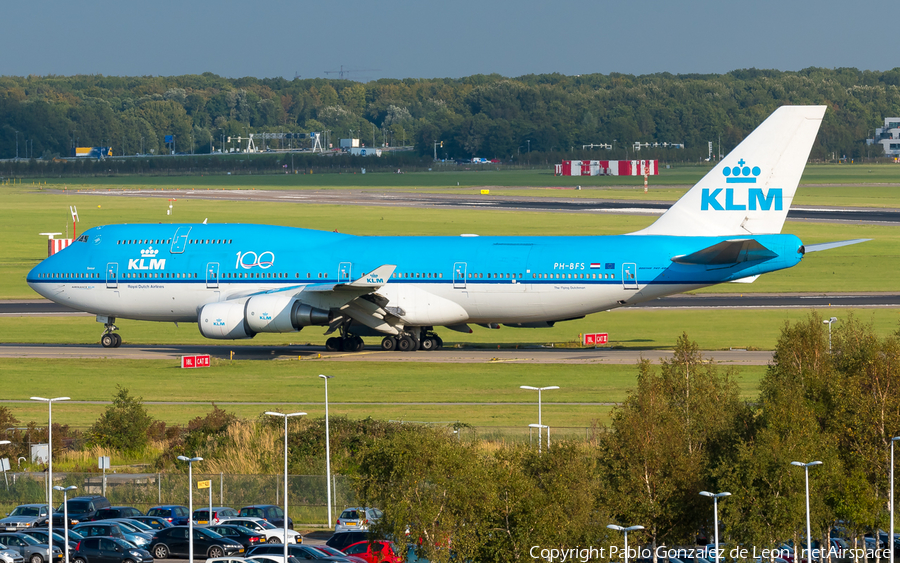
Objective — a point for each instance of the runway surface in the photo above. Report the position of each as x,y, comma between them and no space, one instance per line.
41,307
530,355
524,203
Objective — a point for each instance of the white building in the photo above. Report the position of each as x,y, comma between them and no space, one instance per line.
889,136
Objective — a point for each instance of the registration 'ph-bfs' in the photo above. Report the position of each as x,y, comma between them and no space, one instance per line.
236,281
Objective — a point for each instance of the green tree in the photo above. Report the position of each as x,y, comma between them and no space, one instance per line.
123,425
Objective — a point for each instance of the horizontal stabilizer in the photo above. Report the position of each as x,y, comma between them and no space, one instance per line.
728,252
830,245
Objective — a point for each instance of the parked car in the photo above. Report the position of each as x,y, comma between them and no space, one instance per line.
108,550
174,542
175,514
25,516
301,552
272,559
32,550
43,534
340,541
111,529
11,556
219,513
132,532
82,509
327,550
274,514
244,536
271,533
117,512
358,518
375,551
153,522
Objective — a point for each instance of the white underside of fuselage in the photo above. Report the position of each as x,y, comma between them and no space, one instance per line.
419,304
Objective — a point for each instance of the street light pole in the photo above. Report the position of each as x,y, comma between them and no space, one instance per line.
540,421
191,461
806,467
716,498
65,491
327,448
625,530
829,322
891,535
50,466
286,417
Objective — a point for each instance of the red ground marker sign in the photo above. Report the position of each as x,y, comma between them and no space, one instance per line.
195,361
596,338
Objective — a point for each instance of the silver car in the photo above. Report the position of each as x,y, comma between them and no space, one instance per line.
357,519
29,548
11,556
25,516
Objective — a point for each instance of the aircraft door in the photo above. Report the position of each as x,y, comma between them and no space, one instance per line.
179,241
629,276
459,275
112,275
344,272
212,275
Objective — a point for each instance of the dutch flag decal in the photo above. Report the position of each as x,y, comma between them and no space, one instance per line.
595,265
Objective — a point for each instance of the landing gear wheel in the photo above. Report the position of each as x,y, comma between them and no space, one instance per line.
334,344
406,344
107,340
353,344
429,344
389,344
117,340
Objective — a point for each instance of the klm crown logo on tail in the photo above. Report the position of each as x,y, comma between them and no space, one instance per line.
756,198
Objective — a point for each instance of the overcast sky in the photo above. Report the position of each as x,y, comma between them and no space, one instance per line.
422,39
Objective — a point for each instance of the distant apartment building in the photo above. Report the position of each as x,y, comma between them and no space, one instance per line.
888,136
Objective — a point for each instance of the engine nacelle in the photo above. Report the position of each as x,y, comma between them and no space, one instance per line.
282,312
224,321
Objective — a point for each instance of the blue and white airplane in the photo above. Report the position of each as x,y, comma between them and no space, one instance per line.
237,280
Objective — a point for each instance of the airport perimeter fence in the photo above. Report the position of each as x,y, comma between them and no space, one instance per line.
307,495
524,434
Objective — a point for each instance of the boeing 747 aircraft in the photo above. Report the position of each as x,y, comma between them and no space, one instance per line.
237,280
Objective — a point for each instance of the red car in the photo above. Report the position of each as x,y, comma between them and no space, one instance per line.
377,551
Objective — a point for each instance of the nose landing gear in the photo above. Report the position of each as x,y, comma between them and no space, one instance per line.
110,339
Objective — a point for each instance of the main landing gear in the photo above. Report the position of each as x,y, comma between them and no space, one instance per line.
409,343
346,342
110,339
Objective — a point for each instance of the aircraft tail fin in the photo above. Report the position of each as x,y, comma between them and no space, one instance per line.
750,191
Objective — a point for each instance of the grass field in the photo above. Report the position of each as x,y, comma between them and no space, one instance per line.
628,328
870,267
273,382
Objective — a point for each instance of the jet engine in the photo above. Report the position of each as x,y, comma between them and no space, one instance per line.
273,312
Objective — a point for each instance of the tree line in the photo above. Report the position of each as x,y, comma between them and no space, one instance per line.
683,429
489,116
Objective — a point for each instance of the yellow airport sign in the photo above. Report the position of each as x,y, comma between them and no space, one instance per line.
204,484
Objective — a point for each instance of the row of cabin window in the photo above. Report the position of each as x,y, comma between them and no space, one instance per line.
88,276
158,276
169,241
574,276
145,241
417,275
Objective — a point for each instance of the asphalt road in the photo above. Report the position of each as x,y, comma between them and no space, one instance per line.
531,355
457,201
39,307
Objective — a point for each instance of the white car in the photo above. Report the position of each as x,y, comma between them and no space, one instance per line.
11,556
272,533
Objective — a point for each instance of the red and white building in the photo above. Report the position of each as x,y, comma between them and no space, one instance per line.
608,168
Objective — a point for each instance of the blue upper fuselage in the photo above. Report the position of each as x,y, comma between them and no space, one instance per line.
242,253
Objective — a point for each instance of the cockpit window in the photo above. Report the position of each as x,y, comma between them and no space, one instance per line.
82,238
